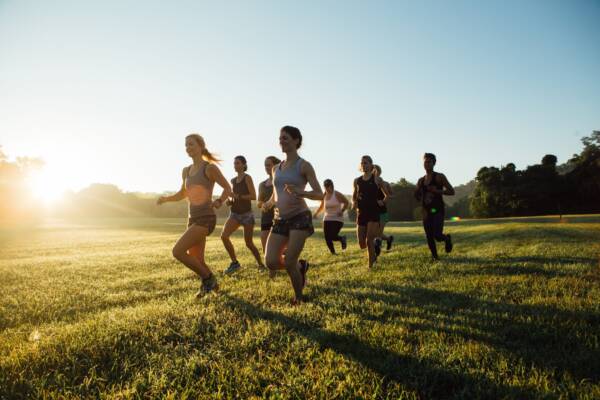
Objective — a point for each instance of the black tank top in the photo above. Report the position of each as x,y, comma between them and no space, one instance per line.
367,195
240,206
432,203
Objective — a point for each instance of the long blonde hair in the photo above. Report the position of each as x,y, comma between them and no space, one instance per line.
206,155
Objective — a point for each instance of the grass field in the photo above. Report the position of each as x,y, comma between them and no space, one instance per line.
101,310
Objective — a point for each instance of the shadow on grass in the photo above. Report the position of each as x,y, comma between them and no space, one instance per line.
551,339
421,375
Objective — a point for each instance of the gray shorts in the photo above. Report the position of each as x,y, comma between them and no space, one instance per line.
243,219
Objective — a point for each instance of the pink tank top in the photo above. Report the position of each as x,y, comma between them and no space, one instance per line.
333,208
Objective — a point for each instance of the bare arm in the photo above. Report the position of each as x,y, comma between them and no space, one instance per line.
417,193
383,186
180,195
449,189
355,195
389,191
309,173
214,173
321,205
251,190
342,199
261,200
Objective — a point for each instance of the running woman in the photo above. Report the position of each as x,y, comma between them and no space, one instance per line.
364,200
198,182
240,214
384,217
265,191
334,204
429,191
293,220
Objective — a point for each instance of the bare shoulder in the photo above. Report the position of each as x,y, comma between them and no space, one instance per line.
185,171
212,171
306,167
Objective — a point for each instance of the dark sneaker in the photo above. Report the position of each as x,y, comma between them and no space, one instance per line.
377,243
262,268
234,266
344,241
209,284
303,270
449,244
389,241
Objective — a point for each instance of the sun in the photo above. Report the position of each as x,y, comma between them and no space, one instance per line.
45,188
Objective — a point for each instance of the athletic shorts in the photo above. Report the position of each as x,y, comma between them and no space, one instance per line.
362,219
207,221
300,222
266,221
246,218
384,218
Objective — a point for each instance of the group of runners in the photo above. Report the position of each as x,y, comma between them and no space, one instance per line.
286,220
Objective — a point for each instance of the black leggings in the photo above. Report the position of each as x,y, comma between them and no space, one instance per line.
434,228
332,231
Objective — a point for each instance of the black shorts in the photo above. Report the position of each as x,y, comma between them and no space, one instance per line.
207,221
363,219
300,222
266,226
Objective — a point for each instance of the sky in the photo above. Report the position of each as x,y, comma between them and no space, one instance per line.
106,91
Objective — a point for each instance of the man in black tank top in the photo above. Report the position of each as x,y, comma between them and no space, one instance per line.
429,191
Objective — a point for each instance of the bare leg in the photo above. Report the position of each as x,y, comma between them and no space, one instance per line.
248,233
372,231
230,226
193,238
264,235
276,245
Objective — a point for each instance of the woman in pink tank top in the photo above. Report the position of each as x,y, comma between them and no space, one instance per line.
198,182
334,203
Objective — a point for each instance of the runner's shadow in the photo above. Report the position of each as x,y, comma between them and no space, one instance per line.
421,375
540,335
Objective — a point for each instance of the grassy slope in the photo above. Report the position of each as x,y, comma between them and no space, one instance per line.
104,310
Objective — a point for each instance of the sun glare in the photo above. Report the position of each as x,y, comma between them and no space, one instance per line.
45,188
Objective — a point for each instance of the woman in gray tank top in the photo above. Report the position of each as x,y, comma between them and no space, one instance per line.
293,220
198,182
241,214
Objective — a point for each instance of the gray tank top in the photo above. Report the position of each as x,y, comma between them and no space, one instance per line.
289,206
199,193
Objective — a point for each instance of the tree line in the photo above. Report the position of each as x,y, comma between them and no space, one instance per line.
540,189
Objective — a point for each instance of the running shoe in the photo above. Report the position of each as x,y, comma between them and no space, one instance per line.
377,243
344,241
209,284
449,244
303,270
389,241
234,266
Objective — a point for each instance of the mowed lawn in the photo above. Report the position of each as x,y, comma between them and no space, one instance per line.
100,309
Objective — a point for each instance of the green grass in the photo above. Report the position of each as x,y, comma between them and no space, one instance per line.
102,310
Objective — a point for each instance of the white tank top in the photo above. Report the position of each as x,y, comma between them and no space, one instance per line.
333,207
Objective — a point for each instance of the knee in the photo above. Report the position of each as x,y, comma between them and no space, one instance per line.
250,244
290,263
272,261
224,237
177,252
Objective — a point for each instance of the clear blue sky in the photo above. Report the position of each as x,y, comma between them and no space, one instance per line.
106,91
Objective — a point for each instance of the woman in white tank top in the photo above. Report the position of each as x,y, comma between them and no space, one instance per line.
334,204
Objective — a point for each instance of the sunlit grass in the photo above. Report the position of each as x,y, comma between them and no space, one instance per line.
100,309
